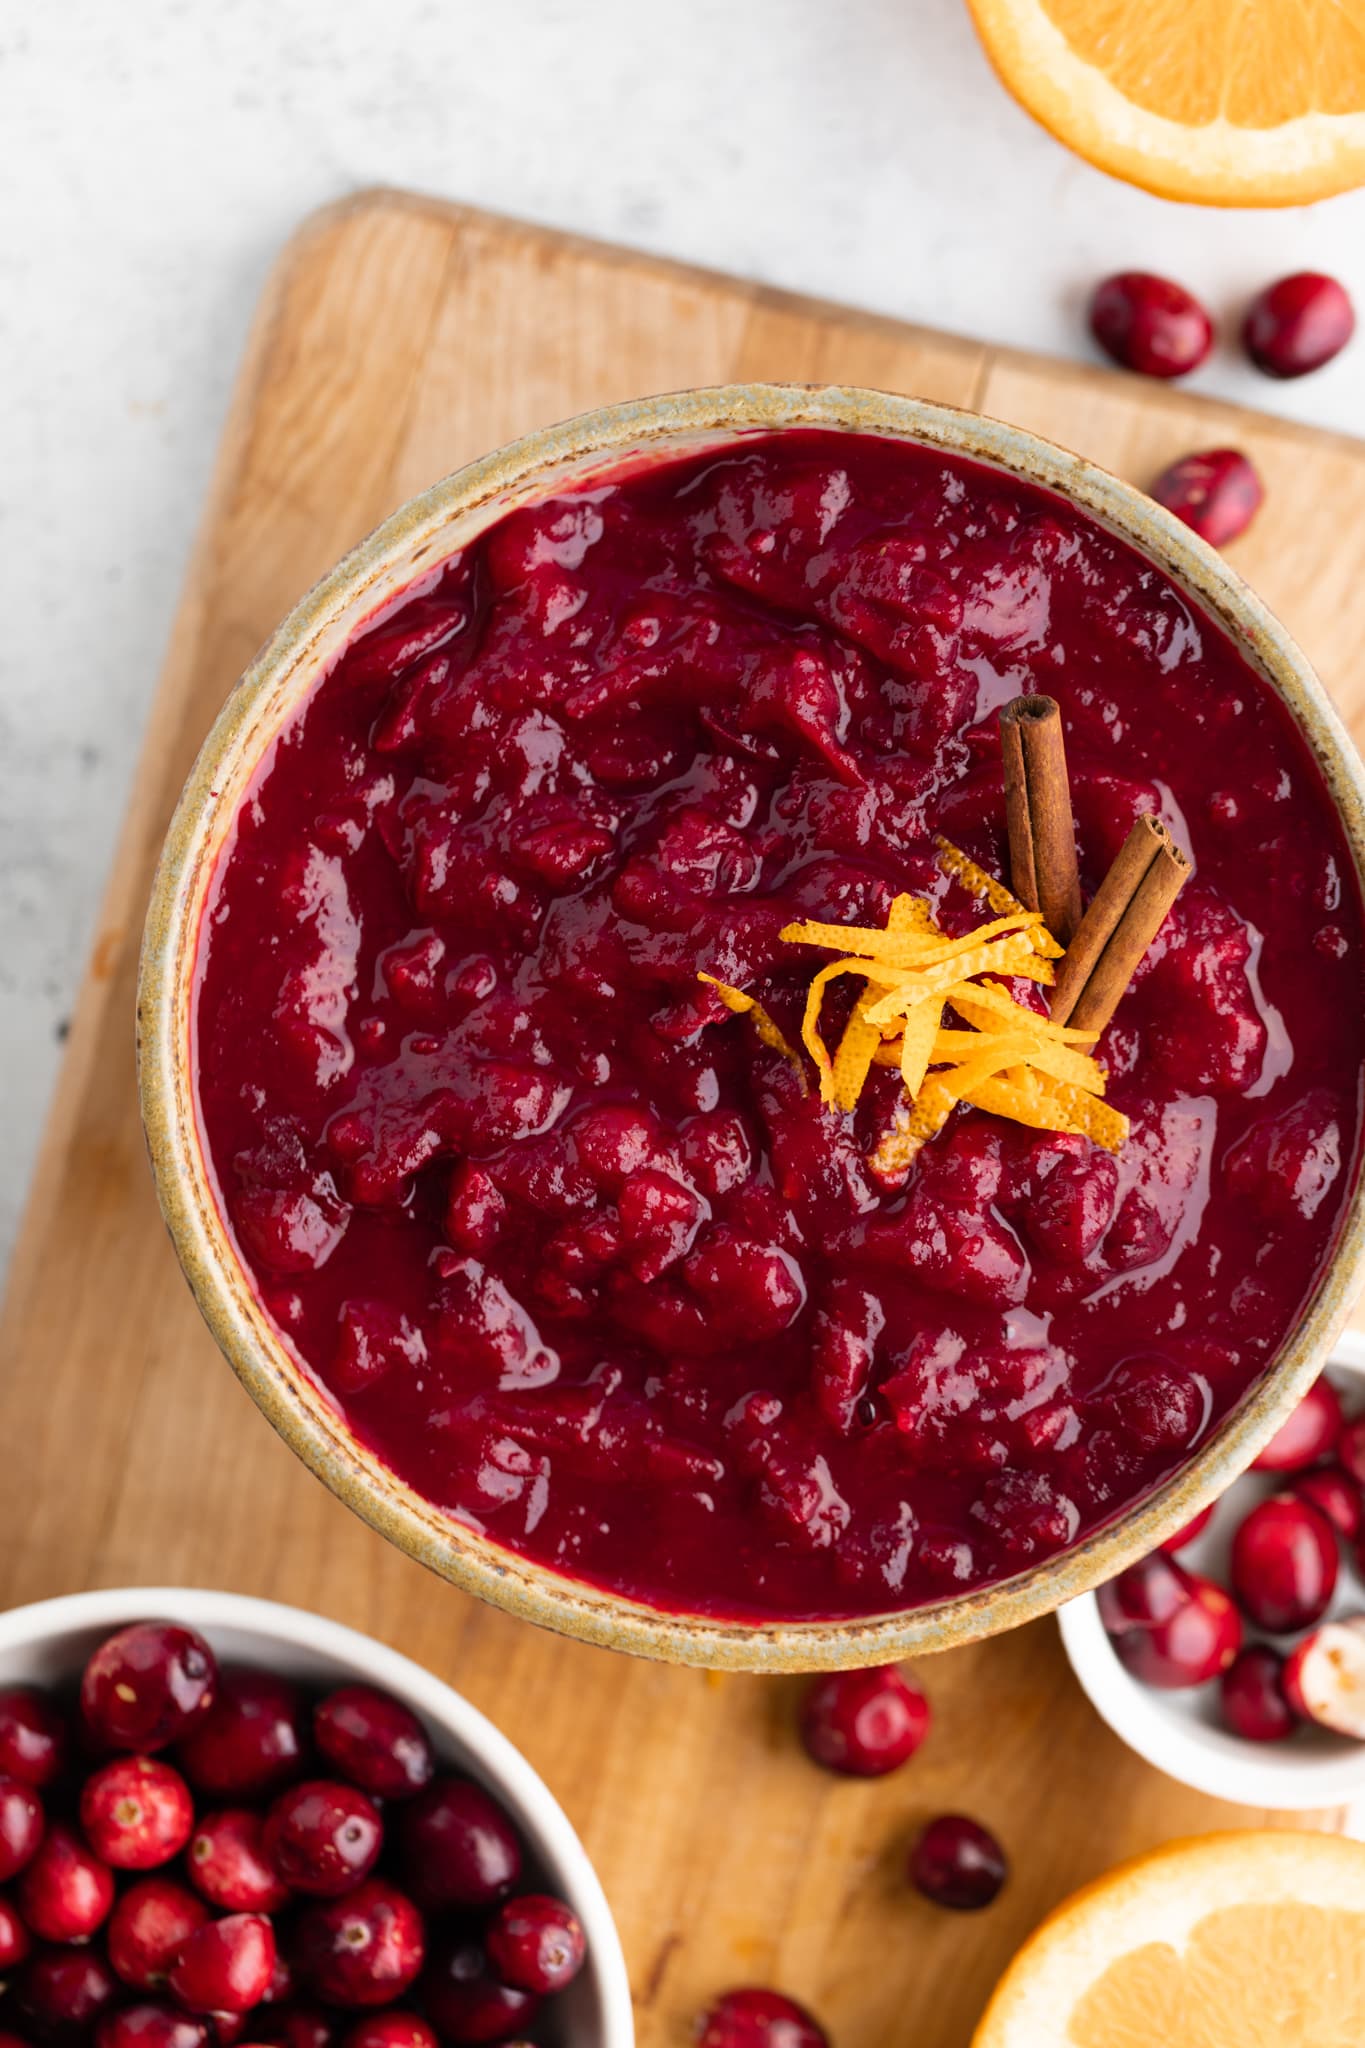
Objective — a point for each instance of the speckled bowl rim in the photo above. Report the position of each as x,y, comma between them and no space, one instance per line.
410,543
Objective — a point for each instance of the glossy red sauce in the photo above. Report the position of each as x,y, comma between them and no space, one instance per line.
568,1246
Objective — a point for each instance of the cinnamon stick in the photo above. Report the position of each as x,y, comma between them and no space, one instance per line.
1125,915
1038,810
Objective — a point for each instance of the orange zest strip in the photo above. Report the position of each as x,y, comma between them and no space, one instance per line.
769,1033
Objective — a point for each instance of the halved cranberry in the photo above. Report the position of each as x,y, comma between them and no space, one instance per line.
226,1965
1324,1677
323,1837
136,1813
33,1739
252,1740
147,1686
150,2025
391,2030
1150,324
1193,1632
15,1941
1252,1695
465,2001
458,1846
1334,1494
752,2018
1310,1433
362,1950
148,1928
65,1893
864,1723
1283,1566
372,1739
536,1943
1217,492
958,1863
21,1826
1189,1530
229,1865
63,1991
1297,324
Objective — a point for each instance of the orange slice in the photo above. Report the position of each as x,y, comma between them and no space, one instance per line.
1217,101
1221,1942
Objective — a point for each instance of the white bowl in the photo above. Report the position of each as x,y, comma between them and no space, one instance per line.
47,1643
1180,1732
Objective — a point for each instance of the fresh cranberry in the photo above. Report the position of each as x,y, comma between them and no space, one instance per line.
759,2019
1310,1433
464,2000
1324,1677
1149,324
958,1863
136,1813
21,1826
226,2029
293,2026
535,1943
1283,1566
362,1950
1147,1594
1187,1533
1252,1695
372,1739
148,1685
253,1739
226,1965
149,2025
63,1991
323,1837
391,2030
864,1723
1217,493
458,1846
32,1737
1169,1627
228,1862
1297,324
15,1942
1351,1449
148,1928
66,1891
1334,1494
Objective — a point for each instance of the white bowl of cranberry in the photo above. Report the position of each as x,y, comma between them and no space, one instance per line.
227,1821
1234,1657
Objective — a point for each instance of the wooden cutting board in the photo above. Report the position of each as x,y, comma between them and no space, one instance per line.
397,338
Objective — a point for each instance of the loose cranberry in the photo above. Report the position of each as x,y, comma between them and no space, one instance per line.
1169,1627
1149,324
32,1737
148,1928
15,1942
147,1686
1217,493
464,2000
1310,1433
226,1965
293,2026
1334,1495
1188,1532
1297,324
372,1739
1351,1450
458,1846
1252,1695
150,2025
1324,1677
362,1950
21,1826
958,1863
66,1891
1144,1596
1284,1564
864,1723
391,2030
136,1813
536,1943
63,1991
229,1864
251,1741
759,2019
323,1837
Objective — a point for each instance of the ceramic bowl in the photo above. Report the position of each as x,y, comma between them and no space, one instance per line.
47,1644
422,534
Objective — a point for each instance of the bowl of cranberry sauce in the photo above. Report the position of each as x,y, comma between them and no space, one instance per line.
479,1071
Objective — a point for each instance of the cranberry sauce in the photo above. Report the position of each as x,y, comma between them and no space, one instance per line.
566,1241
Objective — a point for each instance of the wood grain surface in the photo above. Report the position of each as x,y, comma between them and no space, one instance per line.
398,338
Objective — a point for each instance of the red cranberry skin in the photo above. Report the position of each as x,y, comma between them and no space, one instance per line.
15,1940
1311,1433
228,1864
1150,324
1283,1566
1252,1696
226,1965
148,1928
21,1826
1187,1533
1351,1450
150,2025
136,1813
536,1943
65,1893
293,2026
464,2000
148,1686
759,2019
957,1863
363,1950
33,1739
373,1741
1297,324
1184,1644
391,2030
1144,1596
63,1991
864,1723
1217,492
252,1740
458,1847
1334,1494
323,1837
